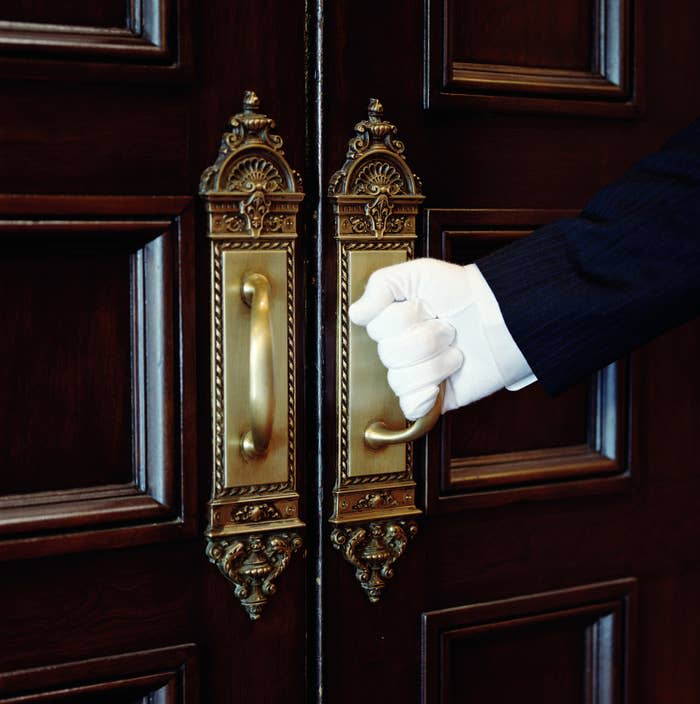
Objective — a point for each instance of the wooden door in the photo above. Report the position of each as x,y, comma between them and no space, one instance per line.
111,110
556,560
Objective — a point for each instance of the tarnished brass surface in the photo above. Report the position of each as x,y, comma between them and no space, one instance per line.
376,199
255,291
259,348
378,434
370,397
252,197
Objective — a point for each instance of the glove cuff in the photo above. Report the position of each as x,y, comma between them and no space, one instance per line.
510,361
479,375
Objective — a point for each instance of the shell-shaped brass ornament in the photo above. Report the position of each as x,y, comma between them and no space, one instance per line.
255,174
379,177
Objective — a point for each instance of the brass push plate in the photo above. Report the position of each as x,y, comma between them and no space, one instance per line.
375,199
369,396
252,197
273,467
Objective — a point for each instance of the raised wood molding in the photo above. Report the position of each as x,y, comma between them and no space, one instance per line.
610,86
597,466
159,503
605,612
164,675
154,43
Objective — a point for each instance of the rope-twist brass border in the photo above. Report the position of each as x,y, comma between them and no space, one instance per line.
219,469
346,480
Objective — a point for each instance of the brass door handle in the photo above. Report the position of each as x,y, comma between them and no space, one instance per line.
377,435
255,291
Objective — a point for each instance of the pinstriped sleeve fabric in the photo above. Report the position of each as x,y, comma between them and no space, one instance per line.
580,293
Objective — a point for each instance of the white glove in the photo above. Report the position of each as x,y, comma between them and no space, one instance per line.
429,325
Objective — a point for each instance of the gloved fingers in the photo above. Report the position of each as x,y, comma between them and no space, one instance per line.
378,294
443,287
430,372
396,318
417,344
418,403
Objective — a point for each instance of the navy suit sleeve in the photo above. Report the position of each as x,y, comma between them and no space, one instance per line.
580,293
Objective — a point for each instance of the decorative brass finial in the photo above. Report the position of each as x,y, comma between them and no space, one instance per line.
374,131
251,102
375,110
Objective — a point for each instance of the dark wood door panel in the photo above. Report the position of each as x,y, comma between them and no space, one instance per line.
512,446
161,676
510,116
86,13
135,139
99,552
546,34
127,39
97,306
97,604
476,157
63,394
572,645
572,56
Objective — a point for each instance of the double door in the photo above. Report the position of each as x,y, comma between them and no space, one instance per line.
526,547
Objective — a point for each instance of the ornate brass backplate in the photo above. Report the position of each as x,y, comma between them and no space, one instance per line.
376,199
252,197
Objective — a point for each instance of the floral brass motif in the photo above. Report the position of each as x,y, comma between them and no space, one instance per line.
373,549
252,563
253,513
396,224
230,223
360,224
254,211
378,211
375,500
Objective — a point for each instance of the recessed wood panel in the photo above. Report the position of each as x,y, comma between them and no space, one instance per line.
65,381
87,13
93,306
130,39
542,34
517,444
162,676
503,422
571,56
563,646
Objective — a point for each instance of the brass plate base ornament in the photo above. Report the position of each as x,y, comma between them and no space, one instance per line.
373,549
375,199
252,563
251,197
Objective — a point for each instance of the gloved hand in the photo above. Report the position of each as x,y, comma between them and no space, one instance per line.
428,326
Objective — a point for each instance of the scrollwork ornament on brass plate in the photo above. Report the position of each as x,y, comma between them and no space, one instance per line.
252,198
376,199
252,563
373,549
